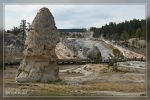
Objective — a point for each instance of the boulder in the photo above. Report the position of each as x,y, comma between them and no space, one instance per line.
94,54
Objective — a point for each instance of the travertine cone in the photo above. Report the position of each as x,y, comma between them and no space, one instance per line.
39,63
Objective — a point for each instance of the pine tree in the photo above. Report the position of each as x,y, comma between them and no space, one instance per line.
23,29
138,33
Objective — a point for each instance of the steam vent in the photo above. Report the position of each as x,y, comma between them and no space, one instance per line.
39,63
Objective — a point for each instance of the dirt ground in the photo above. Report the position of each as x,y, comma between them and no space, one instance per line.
80,80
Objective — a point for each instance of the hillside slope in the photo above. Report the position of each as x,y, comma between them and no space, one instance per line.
67,48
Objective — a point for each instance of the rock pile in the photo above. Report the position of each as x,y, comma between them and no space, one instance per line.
39,63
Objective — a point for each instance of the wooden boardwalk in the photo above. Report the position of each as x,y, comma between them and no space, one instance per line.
83,61
87,61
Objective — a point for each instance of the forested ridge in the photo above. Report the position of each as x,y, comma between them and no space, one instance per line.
122,31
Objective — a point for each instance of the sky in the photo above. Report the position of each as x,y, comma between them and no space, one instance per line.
75,16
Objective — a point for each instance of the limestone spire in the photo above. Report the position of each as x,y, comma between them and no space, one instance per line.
39,63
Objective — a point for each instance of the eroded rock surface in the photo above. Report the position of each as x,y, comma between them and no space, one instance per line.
94,54
13,48
39,63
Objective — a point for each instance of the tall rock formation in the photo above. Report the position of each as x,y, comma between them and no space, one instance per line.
39,63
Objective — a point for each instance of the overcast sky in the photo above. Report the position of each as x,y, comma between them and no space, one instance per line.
75,16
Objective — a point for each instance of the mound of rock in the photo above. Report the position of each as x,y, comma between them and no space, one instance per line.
63,52
39,63
94,54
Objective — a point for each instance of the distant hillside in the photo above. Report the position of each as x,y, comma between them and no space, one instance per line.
148,29
122,31
72,30
1,48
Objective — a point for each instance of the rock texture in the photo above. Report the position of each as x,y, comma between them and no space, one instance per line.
82,45
13,48
39,63
94,54
63,52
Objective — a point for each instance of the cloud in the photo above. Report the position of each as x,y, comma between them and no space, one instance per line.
75,16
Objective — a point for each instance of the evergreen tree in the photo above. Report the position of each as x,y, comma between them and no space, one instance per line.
23,29
138,33
124,30
124,36
14,31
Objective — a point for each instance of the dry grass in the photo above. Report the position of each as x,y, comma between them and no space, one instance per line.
58,88
51,89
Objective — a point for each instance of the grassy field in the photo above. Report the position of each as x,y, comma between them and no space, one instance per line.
120,82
